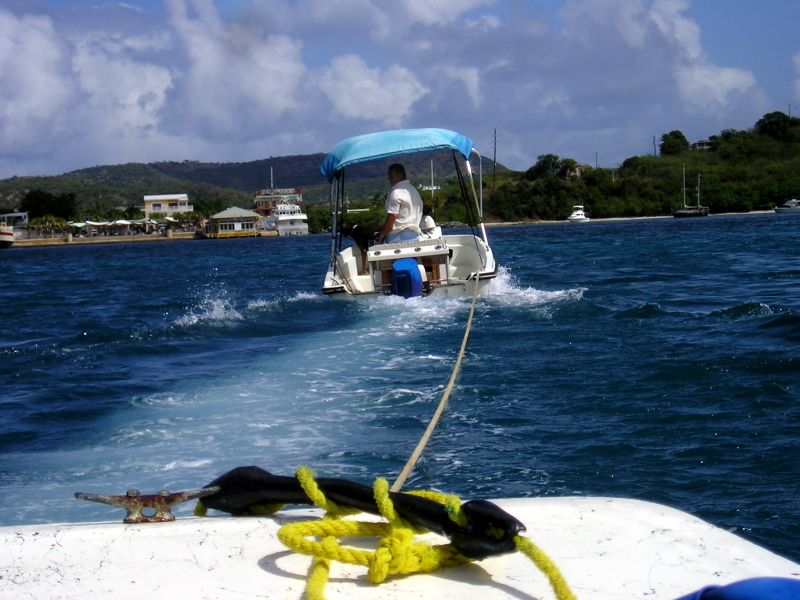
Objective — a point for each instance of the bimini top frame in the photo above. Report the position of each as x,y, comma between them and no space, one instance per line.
375,146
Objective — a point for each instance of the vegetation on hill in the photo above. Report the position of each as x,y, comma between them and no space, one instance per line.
739,171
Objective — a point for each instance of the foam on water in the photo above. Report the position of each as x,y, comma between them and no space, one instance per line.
506,290
213,306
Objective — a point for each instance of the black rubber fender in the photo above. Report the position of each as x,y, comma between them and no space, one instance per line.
490,530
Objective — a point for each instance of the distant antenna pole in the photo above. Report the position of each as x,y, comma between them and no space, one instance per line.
494,159
654,145
684,185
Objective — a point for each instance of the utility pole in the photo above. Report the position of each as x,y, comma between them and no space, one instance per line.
654,145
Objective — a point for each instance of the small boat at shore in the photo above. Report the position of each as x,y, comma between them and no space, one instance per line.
448,265
6,235
8,223
578,215
790,206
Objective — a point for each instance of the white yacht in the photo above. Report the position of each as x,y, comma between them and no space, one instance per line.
578,215
282,209
289,219
790,206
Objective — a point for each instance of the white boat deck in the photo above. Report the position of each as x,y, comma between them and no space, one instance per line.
606,549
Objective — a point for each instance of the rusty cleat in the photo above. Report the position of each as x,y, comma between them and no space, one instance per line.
161,503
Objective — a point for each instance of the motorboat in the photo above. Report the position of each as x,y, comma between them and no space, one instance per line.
450,265
690,211
8,223
790,206
578,215
550,548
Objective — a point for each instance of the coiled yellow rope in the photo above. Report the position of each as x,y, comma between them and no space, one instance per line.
396,552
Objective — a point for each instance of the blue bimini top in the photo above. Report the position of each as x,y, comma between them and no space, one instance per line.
372,146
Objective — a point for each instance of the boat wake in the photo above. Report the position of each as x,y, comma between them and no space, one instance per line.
507,291
212,307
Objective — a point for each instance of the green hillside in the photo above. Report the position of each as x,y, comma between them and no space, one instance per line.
739,171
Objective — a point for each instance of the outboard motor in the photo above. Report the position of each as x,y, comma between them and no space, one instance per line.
406,279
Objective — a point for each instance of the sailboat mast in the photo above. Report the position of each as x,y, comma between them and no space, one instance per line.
684,185
698,190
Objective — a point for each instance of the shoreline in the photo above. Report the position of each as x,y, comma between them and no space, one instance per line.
104,239
608,219
184,236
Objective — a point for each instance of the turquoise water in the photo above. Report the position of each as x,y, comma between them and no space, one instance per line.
653,359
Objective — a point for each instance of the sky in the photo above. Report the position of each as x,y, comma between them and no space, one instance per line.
98,82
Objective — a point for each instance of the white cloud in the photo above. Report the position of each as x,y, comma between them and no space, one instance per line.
236,81
700,83
35,92
711,88
125,95
359,92
113,84
429,12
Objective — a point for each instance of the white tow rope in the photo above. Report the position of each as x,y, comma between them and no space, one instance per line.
401,479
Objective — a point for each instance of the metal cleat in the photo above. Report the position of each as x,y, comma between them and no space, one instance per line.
161,503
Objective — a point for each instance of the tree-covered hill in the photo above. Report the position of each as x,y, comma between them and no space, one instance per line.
739,171
228,184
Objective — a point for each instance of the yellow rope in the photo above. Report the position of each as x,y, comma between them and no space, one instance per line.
397,553
546,566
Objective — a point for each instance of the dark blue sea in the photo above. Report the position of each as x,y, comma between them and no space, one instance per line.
651,359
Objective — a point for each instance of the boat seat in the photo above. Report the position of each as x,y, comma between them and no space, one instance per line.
413,249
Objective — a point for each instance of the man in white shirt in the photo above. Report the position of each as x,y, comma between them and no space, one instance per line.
403,209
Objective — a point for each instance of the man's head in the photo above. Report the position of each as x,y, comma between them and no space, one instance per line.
397,173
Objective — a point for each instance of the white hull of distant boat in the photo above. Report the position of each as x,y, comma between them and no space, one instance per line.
290,219
6,235
444,265
790,206
605,549
578,215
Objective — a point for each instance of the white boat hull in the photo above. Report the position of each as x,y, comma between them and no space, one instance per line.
606,549
578,215
451,266
6,236
789,207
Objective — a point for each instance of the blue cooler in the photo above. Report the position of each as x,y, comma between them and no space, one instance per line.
406,280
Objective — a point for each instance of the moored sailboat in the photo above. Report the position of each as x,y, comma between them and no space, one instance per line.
690,211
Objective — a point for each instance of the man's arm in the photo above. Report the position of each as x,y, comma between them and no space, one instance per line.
388,225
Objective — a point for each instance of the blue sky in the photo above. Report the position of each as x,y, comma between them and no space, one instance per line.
89,82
